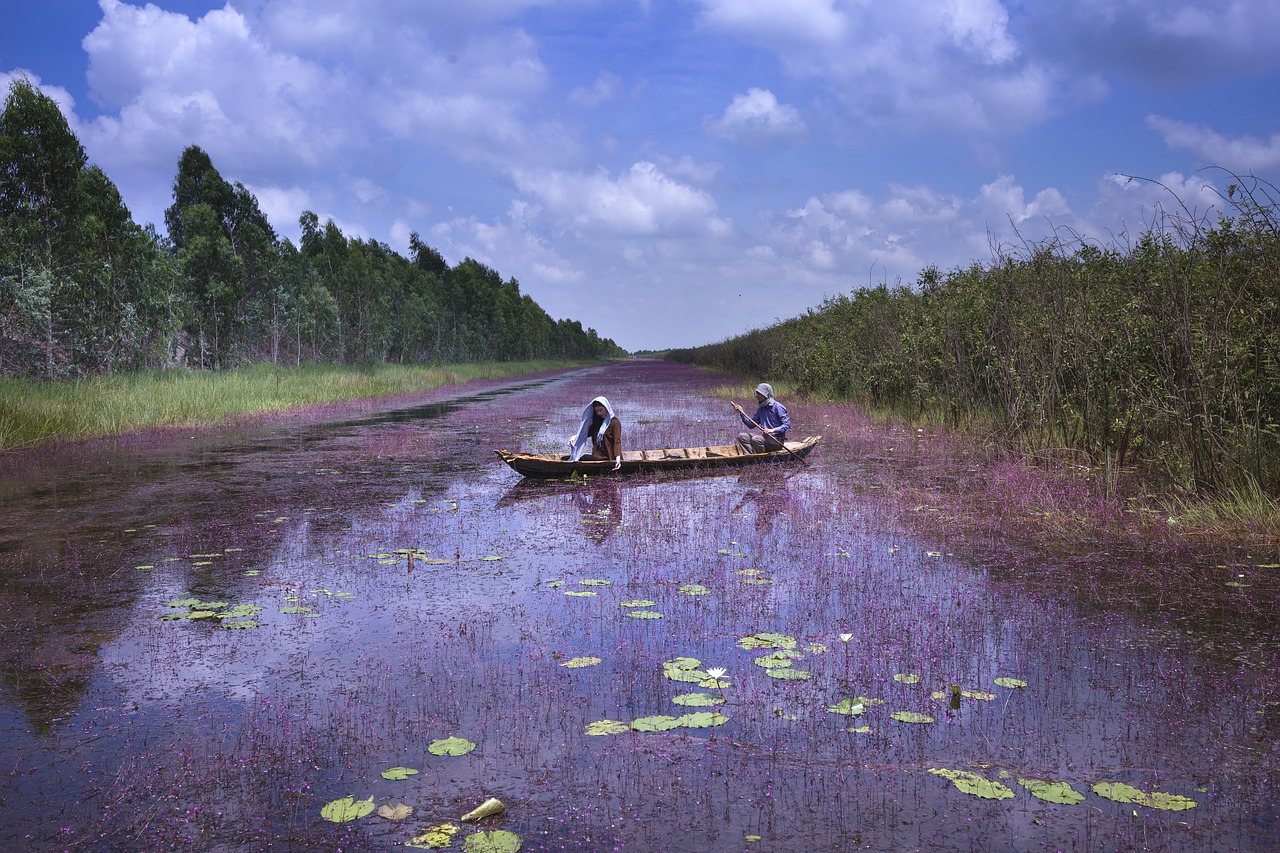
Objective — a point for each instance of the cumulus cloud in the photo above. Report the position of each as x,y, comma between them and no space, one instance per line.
758,117
1242,154
643,201
793,22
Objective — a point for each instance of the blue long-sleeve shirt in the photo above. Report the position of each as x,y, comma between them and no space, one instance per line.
770,416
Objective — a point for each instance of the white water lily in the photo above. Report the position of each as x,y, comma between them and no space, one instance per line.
846,637
717,672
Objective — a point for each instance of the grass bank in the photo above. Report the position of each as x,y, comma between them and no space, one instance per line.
33,413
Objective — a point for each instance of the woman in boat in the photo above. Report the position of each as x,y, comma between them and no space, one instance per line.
599,438
771,419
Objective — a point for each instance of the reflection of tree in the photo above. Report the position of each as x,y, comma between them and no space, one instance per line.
599,505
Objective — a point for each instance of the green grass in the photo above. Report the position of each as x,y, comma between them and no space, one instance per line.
32,413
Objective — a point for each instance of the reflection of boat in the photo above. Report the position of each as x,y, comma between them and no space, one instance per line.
543,466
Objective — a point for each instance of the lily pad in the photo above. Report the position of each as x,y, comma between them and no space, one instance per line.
906,678
644,614
911,717
494,841
1053,792
578,663
395,811
697,699
789,674
1122,793
398,774
851,707
434,837
586,593
779,659
656,723
972,783
767,640
345,809
638,602
454,746
607,727
1005,681
702,720
595,582
693,589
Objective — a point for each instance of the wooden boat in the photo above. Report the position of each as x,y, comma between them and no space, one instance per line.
544,466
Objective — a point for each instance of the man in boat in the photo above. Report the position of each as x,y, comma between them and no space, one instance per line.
771,419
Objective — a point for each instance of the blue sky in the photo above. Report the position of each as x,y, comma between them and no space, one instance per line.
676,173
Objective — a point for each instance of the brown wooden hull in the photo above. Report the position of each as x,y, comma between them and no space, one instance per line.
544,466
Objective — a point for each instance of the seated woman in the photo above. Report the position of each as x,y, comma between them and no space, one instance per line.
599,439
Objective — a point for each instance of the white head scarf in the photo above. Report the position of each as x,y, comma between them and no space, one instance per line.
764,389
582,444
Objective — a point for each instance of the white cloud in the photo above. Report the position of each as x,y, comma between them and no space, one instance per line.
642,201
796,22
758,117
1242,154
605,88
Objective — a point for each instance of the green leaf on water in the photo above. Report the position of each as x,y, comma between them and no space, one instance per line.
713,683
434,837
491,558
656,723
1006,681
1053,792
767,640
906,678
451,746
980,695
694,589
494,841
295,609
778,659
595,582
1122,793
395,811
638,602
398,774
972,783
241,623
748,571
911,717
644,614
697,699
145,566
607,727
183,602
684,669
345,809
586,593
757,581
788,674
851,707
578,663
859,730
702,720
198,614
556,584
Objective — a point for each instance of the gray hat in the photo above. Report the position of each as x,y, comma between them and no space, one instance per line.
764,389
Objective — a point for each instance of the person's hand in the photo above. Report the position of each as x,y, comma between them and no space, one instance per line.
617,464
569,442
738,409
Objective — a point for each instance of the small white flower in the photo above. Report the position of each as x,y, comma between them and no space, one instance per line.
717,672
846,637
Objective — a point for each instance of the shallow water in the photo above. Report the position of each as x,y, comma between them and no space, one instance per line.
124,730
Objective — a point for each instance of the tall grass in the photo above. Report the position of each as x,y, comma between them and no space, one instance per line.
35,412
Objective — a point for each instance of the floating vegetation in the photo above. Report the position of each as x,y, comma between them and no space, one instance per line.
555,584
702,720
434,837
584,593
758,581
697,699
595,582
972,783
638,602
1053,792
859,730
295,608
145,566
346,809
788,674
684,669
911,717
491,806
395,811
906,678
578,663
780,658
852,706
1006,681
1122,793
491,558
644,614
496,841
767,640
398,774
748,572
693,589
980,695
607,727
453,746
656,723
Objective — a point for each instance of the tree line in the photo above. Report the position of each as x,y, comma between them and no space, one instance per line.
84,289
1163,352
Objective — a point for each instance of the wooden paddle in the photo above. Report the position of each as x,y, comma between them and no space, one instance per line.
757,426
